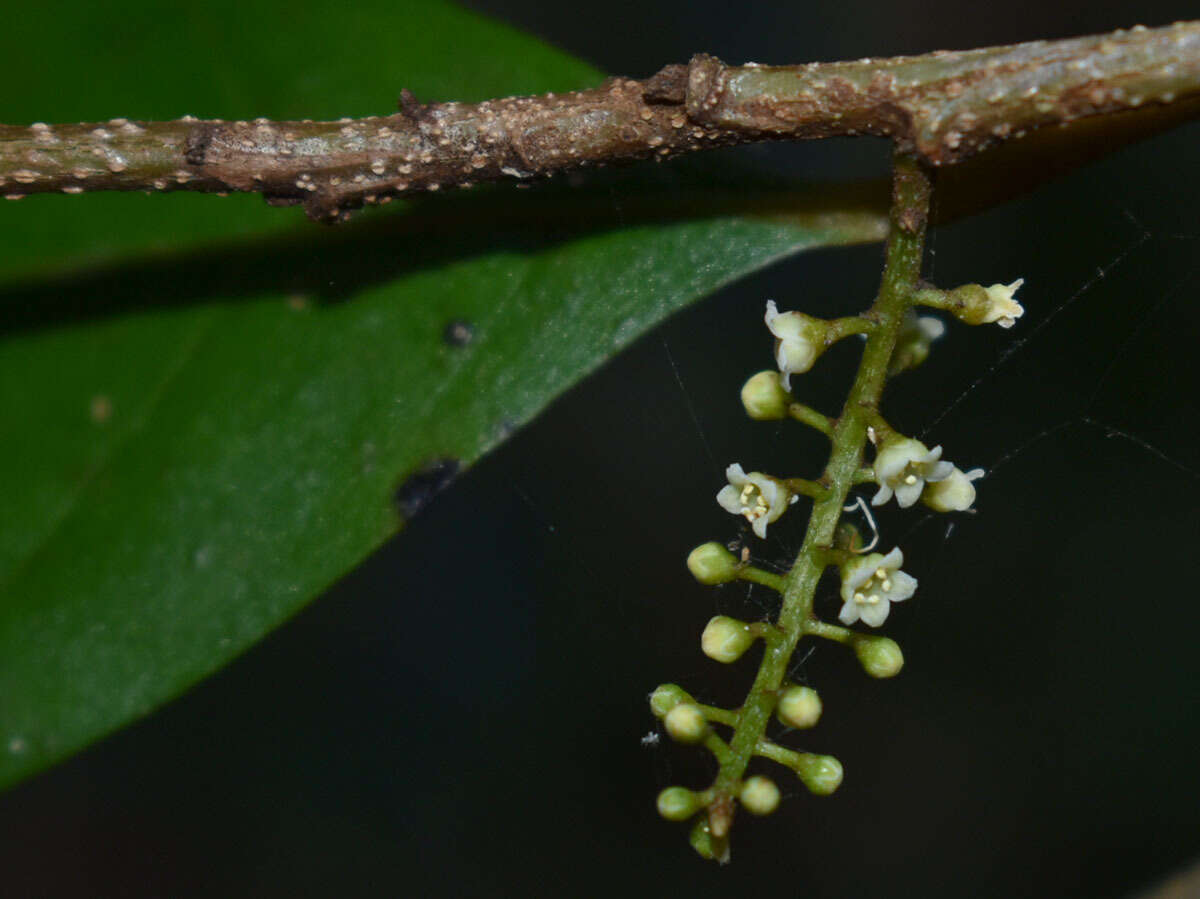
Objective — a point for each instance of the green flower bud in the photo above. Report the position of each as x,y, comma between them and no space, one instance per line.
678,803
759,796
686,723
822,774
879,656
913,343
711,563
665,697
764,398
725,639
799,707
970,303
847,537
953,494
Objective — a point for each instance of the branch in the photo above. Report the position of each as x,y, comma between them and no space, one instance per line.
943,107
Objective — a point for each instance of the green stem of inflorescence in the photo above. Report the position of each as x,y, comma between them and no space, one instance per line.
764,578
812,418
909,212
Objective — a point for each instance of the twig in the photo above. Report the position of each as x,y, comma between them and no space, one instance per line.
943,108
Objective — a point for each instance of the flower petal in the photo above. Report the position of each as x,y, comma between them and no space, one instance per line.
735,475
895,456
857,572
904,585
892,560
849,612
882,495
785,325
760,526
955,494
876,614
907,494
772,314
939,471
795,355
781,358
730,499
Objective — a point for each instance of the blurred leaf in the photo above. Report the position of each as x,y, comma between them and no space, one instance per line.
201,436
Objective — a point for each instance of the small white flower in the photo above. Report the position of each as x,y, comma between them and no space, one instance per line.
953,494
755,496
1002,308
800,339
902,466
870,584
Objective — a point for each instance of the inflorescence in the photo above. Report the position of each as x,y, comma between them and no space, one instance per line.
903,468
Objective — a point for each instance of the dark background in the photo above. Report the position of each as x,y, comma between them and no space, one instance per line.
463,714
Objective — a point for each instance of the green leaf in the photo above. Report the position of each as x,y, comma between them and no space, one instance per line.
209,404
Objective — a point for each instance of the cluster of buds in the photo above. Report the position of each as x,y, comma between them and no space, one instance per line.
688,721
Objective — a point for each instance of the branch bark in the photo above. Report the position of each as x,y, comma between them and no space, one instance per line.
943,107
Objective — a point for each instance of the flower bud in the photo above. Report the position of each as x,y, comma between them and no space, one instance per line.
759,796
764,398
678,803
954,494
822,774
711,563
879,656
914,342
800,340
665,697
799,707
725,639
686,723
847,537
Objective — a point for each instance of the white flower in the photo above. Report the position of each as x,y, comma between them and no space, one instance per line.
870,584
1002,308
800,340
902,466
758,498
953,494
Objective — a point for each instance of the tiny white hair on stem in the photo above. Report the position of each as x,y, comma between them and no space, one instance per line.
860,503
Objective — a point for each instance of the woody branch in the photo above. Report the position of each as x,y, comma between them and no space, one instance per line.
942,108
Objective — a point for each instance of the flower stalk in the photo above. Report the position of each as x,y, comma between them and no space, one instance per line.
909,214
